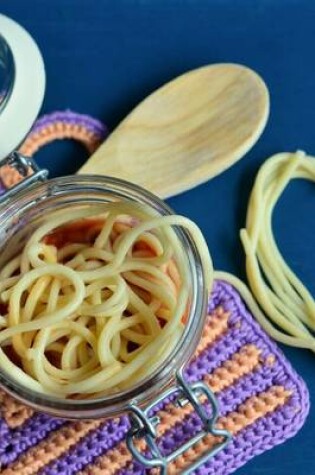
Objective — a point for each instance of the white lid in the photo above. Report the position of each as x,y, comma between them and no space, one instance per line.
22,106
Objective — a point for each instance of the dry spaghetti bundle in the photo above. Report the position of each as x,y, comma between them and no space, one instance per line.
93,303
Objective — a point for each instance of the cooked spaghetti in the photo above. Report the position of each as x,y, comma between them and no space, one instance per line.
93,305
289,306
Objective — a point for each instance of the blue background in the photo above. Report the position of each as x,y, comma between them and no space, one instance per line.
102,57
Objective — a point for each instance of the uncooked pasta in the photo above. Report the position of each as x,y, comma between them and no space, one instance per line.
93,303
288,305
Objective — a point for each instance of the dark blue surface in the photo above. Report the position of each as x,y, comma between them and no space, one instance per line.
102,57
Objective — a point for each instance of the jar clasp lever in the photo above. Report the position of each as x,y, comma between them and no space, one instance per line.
144,425
28,170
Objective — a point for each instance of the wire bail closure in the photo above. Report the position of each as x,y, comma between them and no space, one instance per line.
27,171
143,426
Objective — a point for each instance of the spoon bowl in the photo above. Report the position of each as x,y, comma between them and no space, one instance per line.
186,132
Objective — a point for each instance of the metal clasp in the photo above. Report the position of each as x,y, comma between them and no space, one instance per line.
143,426
27,170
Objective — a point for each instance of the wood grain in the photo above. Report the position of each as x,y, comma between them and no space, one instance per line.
188,131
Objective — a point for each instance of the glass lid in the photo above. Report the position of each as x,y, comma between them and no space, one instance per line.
22,84
7,72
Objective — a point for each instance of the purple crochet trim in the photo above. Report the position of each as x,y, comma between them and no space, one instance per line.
262,435
93,125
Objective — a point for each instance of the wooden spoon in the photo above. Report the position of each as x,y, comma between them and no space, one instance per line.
188,131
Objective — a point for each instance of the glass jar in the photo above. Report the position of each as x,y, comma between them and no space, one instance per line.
30,205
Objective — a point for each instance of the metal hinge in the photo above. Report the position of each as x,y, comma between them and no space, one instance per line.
28,170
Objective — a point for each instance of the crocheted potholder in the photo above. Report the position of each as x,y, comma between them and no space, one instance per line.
262,403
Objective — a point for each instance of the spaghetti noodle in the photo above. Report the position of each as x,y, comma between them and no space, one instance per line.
94,304
287,303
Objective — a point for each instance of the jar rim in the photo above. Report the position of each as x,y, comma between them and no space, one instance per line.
147,388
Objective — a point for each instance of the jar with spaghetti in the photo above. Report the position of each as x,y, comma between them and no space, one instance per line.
103,300
103,290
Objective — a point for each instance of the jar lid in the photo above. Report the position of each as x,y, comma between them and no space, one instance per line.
22,84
